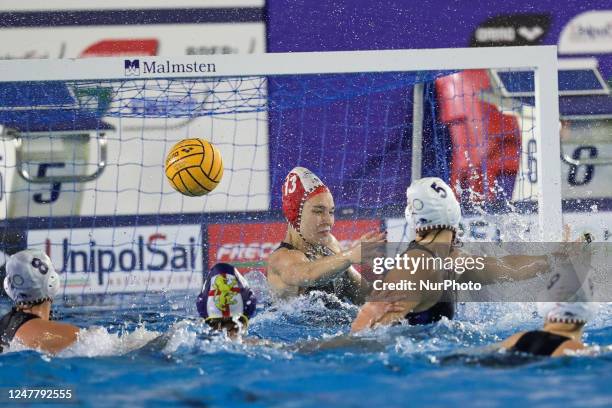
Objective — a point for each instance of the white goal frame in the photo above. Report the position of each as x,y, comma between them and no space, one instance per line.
542,59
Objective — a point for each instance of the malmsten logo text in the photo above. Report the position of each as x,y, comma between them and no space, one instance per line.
137,67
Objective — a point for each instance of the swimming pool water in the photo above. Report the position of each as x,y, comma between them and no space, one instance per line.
304,357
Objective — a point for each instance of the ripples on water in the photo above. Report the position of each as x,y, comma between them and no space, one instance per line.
299,353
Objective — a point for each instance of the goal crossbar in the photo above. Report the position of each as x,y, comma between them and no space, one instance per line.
542,59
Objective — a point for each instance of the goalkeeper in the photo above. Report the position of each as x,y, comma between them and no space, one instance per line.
310,257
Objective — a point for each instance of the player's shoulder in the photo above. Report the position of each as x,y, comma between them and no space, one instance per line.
36,326
284,256
284,250
32,331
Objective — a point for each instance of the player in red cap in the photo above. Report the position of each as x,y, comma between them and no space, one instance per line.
310,258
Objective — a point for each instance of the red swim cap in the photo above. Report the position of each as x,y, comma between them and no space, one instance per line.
300,185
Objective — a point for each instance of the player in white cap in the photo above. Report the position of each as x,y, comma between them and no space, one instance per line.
433,213
32,283
563,321
562,331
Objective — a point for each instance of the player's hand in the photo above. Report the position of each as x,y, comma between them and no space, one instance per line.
372,237
569,250
373,312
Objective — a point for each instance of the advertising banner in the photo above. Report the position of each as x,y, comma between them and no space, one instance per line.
587,33
124,40
123,259
247,246
583,30
72,29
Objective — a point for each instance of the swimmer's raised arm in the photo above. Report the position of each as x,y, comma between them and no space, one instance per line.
515,267
294,269
506,268
359,287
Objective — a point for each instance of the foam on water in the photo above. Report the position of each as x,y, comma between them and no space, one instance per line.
320,319
299,352
96,341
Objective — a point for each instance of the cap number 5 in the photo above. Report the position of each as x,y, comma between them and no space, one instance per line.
439,190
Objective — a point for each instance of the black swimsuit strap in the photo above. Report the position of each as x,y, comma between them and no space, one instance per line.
311,254
539,343
285,245
10,323
416,245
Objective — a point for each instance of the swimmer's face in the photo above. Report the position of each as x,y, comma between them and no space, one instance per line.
318,218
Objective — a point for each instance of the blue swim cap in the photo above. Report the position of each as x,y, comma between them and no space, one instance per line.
226,294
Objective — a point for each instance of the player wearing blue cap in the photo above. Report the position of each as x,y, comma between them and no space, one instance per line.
226,301
32,283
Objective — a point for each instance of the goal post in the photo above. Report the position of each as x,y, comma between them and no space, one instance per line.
84,143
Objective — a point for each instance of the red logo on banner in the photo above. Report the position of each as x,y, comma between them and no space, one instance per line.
248,246
119,47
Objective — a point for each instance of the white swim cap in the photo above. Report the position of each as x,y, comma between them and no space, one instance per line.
431,204
567,312
30,277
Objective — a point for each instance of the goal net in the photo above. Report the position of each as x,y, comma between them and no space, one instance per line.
84,144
